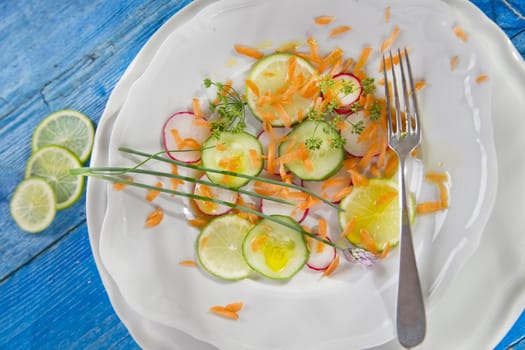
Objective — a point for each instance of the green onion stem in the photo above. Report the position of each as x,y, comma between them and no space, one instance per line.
85,172
225,172
121,171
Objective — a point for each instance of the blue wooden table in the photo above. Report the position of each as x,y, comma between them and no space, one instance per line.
70,54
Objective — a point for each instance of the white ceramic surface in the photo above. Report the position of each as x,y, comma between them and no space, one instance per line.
166,330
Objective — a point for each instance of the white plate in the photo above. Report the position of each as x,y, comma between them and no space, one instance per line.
133,319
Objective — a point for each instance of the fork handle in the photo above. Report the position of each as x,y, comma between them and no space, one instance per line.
411,321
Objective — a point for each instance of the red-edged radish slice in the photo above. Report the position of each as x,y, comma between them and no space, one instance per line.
210,208
265,138
321,255
270,207
330,187
183,131
348,89
355,124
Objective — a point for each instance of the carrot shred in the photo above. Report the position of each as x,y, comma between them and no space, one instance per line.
253,87
235,307
339,30
331,268
154,218
390,40
367,241
386,198
197,111
152,194
270,161
385,251
460,33
179,141
198,222
255,160
204,242
224,312
349,227
189,263
428,207
119,186
334,181
454,62
358,179
248,51
363,58
342,193
420,85
324,20
436,177
387,14
443,195
481,78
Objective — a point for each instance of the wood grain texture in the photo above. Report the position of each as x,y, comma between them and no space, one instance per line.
70,54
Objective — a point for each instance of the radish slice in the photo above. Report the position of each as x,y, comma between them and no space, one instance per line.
356,122
330,187
210,208
264,138
270,207
321,255
346,98
182,128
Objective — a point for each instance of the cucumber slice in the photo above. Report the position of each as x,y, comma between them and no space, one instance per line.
275,250
325,161
236,152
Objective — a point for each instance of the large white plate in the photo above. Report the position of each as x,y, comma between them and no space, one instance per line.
160,328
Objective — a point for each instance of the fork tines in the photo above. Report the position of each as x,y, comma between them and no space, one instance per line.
405,104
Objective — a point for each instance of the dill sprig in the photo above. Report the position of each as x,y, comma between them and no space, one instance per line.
229,108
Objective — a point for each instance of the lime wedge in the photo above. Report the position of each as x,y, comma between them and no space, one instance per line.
33,205
375,209
271,76
53,163
68,128
219,247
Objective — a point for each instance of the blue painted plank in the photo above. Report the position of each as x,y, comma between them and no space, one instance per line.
70,56
58,302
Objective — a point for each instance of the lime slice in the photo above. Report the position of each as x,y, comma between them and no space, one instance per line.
271,77
52,163
68,128
219,247
33,205
374,208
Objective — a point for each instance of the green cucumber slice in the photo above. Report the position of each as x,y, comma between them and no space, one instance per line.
237,152
275,250
326,160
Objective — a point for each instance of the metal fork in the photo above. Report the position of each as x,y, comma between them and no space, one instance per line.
404,135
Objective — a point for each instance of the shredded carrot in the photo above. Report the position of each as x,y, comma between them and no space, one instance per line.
314,50
390,40
152,194
342,193
428,207
443,195
392,164
330,269
358,179
203,123
188,263
339,30
179,141
235,307
197,111
253,87
385,251
386,198
349,227
270,161
255,160
221,147
198,222
460,33
335,181
204,242
119,186
324,20
367,241
283,114
420,85
363,58
454,62
481,78
248,51
347,65
224,312
387,14
154,218
436,177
